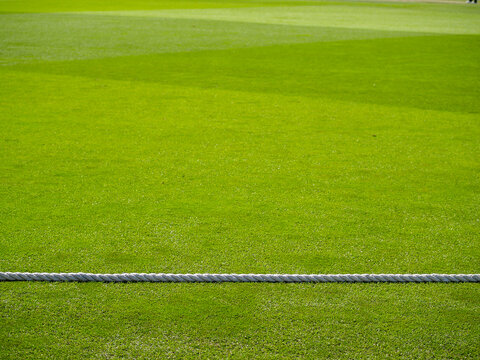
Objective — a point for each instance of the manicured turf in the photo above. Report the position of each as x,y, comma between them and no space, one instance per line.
239,136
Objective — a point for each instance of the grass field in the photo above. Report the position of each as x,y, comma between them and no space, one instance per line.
239,136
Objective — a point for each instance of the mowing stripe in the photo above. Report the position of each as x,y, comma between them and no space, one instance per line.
245,278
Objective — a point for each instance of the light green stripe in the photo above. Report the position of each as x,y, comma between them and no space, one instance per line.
442,19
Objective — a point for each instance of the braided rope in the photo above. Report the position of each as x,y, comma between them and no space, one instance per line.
249,278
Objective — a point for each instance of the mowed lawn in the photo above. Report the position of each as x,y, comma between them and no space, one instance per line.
239,136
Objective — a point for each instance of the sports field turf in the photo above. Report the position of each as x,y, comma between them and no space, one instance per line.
239,136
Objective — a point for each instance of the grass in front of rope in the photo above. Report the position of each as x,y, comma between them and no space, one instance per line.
239,137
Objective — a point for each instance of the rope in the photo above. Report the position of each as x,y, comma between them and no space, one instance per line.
246,278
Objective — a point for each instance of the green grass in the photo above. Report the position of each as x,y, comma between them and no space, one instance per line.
239,136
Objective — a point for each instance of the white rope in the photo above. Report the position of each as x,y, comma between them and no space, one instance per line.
249,278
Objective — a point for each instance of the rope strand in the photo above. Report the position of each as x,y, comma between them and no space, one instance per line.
249,278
